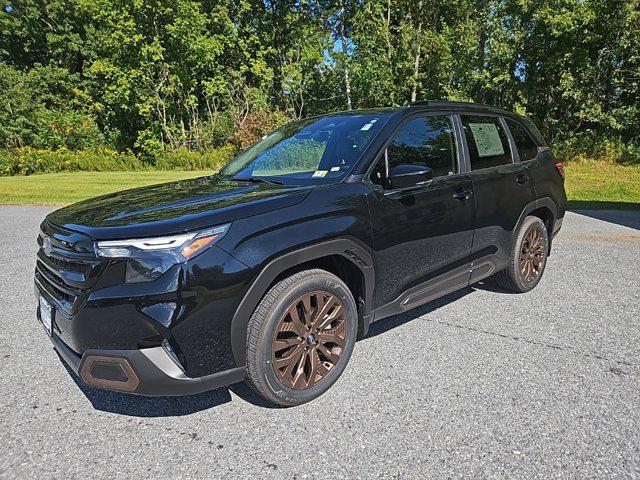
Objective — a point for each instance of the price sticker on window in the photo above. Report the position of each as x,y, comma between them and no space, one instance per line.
487,139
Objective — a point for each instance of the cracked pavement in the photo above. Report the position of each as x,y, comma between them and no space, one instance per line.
478,384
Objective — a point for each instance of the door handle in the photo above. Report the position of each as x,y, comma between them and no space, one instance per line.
462,195
522,178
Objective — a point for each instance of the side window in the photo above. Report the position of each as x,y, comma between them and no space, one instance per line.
487,140
527,148
428,141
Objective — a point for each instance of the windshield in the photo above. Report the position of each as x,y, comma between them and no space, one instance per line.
315,150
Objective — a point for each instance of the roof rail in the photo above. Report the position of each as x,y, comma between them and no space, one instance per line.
448,103
421,102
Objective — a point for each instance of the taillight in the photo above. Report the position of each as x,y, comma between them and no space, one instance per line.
560,168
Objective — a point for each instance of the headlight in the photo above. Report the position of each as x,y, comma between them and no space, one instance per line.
148,258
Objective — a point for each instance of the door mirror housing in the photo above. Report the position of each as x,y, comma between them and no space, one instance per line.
409,175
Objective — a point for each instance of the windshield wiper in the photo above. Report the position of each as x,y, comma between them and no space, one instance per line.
256,180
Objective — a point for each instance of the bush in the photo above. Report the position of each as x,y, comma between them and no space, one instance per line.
216,131
66,129
44,108
183,159
610,150
27,161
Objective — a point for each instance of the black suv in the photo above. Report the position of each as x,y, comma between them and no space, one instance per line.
268,270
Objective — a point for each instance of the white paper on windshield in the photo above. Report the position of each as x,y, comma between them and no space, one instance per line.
487,139
319,173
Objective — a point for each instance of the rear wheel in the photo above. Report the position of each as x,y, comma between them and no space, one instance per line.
528,257
300,337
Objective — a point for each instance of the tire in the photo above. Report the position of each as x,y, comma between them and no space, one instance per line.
292,356
531,247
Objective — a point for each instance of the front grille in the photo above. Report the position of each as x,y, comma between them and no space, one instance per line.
51,276
67,268
81,268
64,298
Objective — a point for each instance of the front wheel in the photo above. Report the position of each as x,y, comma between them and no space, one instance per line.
528,257
300,337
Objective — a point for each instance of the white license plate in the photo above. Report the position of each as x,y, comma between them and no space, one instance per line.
46,312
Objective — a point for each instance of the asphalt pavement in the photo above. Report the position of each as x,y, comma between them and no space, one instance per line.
479,384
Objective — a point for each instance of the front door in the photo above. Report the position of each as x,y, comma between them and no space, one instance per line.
422,234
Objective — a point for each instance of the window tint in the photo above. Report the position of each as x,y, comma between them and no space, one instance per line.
527,148
487,140
426,141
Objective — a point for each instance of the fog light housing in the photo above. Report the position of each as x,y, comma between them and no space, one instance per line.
109,372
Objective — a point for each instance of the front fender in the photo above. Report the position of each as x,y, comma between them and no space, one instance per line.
333,220
347,248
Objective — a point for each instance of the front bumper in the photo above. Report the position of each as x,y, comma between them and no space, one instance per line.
190,306
148,371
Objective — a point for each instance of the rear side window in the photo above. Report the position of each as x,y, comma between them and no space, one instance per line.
526,146
425,141
535,133
487,140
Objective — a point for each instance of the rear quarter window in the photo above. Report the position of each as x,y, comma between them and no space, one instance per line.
525,144
535,133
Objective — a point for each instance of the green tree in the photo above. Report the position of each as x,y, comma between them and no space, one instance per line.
199,74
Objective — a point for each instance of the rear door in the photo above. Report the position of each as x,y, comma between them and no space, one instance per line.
502,188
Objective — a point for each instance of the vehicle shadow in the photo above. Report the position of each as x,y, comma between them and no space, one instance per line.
625,214
389,323
593,205
139,406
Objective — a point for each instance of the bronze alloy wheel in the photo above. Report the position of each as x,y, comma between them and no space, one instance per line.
309,339
532,255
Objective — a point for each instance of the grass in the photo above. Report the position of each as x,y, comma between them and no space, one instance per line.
65,188
598,185
590,184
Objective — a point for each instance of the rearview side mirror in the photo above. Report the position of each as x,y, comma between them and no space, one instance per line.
409,175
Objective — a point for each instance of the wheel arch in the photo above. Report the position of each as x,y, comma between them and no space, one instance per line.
345,258
543,208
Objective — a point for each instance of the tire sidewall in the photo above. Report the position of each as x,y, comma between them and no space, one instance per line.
529,223
280,393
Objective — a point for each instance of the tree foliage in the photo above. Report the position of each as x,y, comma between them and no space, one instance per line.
199,74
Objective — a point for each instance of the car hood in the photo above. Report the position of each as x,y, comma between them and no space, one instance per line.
174,207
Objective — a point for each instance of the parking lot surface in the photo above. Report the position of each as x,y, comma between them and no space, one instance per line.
479,384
